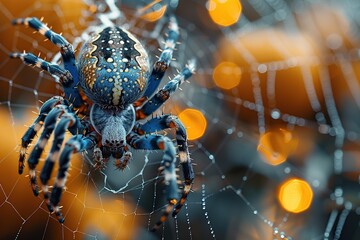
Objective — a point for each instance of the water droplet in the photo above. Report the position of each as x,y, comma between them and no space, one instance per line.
262,68
275,114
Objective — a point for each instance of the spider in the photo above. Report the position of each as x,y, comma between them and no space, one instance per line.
108,90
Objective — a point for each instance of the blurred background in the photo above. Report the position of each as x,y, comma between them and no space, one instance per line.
272,116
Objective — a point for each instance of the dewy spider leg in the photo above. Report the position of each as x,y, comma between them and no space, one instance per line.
67,52
36,126
159,142
165,122
162,64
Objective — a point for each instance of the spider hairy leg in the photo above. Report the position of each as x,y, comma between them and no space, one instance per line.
75,144
164,94
35,127
42,28
162,64
159,142
49,125
32,60
68,120
66,78
165,122
67,53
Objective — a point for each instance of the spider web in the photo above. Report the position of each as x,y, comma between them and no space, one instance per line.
235,190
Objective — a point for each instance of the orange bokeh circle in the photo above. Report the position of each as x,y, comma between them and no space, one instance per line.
224,12
295,195
194,121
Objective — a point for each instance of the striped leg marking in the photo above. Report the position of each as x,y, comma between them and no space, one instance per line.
164,94
50,122
32,60
75,144
165,122
35,128
43,29
71,79
67,51
159,142
67,120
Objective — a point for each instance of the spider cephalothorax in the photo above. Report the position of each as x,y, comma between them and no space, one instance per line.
112,86
113,125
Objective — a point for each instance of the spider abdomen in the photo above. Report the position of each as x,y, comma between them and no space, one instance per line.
113,68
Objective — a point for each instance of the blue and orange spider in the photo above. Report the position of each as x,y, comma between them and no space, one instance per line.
108,90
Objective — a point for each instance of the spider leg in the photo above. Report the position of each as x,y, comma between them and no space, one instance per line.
166,122
36,126
77,143
66,78
155,142
162,64
32,60
66,48
163,94
68,120
67,53
49,125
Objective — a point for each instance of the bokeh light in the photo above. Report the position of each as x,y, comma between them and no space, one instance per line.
268,46
224,12
276,145
227,75
153,11
194,121
295,195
